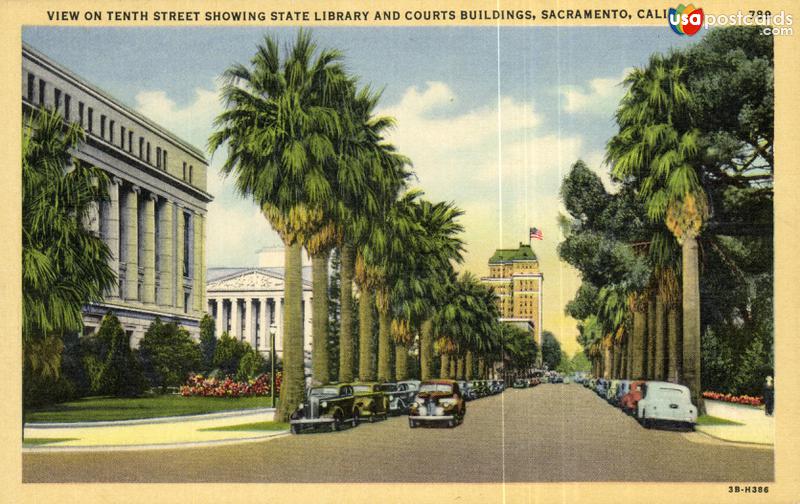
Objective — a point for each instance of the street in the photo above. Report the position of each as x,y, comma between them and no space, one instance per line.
549,433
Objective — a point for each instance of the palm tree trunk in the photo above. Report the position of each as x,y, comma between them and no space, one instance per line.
319,318
346,316
384,346
444,370
629,354
452,373
481,367
293,384
426,350
660,352
366,371
623,360
401,361
651,336
460,368
674,350
691,320
469,364
639,328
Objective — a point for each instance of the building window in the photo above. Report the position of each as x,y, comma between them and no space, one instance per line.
191,168
91,119
164,161
130,142
184,170
141,147
57,97
186,244
67,103
122,137
80,112
111,131
103,126
158,157
185,302
42,85
148,152
31,87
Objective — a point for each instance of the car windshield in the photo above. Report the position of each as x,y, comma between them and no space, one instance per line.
669,392
389,387
436,387
323,391
359,389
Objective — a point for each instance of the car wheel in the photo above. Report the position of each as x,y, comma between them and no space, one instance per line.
411,423
372,416
451,423
645,421
337,423
294,429
354,422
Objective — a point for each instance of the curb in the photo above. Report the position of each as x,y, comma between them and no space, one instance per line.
163,446
146,421
747,443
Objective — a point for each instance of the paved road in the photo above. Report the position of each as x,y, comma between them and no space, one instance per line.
548,433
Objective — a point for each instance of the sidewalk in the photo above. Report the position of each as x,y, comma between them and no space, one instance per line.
757,427
152,433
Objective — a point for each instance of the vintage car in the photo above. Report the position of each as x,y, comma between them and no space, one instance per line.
497,386
611,390
330,405
466,390
480,388
370,401
533,382
666,402
601,387
400,396
623,388
438,401
630,400
521,383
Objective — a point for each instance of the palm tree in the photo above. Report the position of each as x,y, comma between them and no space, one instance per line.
657,147
64,264
280,128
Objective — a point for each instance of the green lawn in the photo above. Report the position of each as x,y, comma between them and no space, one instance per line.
95,409
255,426
40,441
712,420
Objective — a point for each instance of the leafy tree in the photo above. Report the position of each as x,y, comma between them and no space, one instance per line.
551,350
64,264
580,362
251,365
208,341
116,371
228,353
168,354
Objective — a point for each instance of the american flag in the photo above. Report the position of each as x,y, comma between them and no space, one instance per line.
536,234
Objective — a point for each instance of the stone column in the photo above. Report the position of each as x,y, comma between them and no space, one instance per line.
149,249
166,275
279,323
249,334
132,245
220,316
202,246
111,233
197,286
264,324
236,319
179,257
307,322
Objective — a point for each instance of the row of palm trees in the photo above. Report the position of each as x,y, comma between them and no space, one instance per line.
304,143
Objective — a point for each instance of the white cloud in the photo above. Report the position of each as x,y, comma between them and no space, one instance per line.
600,96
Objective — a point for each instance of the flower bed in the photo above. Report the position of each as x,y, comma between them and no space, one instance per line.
743,399
197,385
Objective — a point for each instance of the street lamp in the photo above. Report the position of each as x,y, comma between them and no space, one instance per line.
273,329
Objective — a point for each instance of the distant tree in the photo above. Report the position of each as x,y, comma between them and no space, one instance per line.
565,364
551,350
251,365
208,341
120,374
580,362
228,353
168,354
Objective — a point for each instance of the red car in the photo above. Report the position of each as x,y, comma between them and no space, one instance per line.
630,400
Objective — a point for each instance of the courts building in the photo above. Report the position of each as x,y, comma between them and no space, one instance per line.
155,220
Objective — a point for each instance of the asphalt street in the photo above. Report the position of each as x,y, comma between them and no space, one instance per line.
549,433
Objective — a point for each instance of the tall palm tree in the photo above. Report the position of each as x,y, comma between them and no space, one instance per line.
280,126
64,264
657,146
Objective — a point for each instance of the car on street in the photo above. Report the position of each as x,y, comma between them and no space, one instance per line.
631,399
601,386
480,387
371,402
437,402
665,402
400,397
326,405
520,383
623,388
611,390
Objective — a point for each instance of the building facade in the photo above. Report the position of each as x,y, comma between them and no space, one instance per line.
517,282
154,220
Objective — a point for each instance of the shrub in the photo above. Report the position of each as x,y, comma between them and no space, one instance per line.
208,341
120,373
197,385
168,354
228,353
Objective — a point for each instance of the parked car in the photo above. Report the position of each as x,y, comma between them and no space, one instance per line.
480,387
611,390
400,397
412,386
601,386
533,382
329,405
520,383
371,401
438,401
623,388
466,390
666,402
630,400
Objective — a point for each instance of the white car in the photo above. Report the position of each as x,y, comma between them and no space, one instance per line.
666,402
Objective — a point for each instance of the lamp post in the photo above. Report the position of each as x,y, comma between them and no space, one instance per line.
272,330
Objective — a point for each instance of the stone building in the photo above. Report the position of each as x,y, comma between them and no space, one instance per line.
154,221
514,274
245,302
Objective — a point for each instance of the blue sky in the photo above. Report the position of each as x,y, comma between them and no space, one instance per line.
497,145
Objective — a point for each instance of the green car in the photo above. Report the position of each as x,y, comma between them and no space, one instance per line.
330,405
371,401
